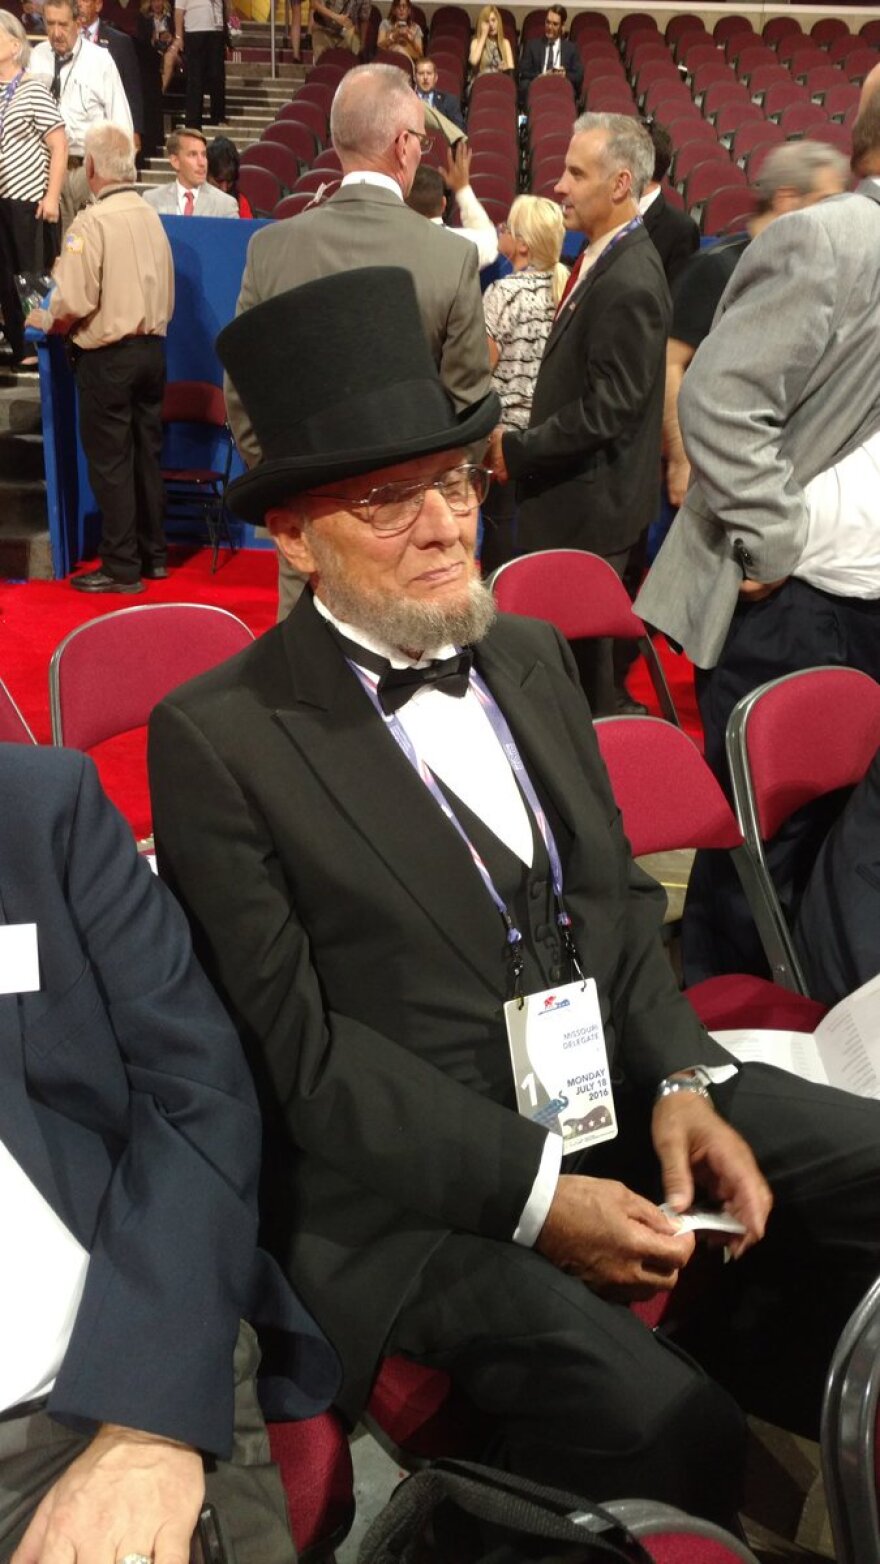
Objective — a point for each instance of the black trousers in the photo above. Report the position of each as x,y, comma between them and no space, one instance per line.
584,1395
596,658
205,58
26,245
797,627
120,423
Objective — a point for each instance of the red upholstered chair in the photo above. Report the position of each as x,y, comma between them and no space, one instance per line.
729,119
780,95
825,31
320,92
707,180
309,113
754,133
317,179
843,45
869,32
294,134
727,211
106,676
668,799
684,22
731,27
857,64
551,89
778,28
850,1449
838,100
314,1462
13,728
291,205
261,188
329,159
803,119
583,596
790,742
821,79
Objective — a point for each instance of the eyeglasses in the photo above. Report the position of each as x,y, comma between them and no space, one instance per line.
425,142
392,507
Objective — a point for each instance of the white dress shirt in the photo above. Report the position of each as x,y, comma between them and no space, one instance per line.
476,226
91,89
44,1275
371,176
842,550
457,742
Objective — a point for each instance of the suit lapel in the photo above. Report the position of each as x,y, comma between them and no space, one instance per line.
581,294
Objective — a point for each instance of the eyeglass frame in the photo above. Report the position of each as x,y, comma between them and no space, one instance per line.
424,140
403,484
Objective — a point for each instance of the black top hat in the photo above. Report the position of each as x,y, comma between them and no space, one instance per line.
337,379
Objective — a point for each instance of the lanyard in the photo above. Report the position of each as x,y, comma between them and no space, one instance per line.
502,732
9,92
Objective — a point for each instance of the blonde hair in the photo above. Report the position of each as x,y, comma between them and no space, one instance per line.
484,17
538,223
12,26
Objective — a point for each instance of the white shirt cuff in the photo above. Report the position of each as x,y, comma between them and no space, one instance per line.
534,1213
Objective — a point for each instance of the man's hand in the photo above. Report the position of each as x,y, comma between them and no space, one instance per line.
755,591
37,319
620,1245
457,172
128,1492
47,210
678,476
495,455
694,1145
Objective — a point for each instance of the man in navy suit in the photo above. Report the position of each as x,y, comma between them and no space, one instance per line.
553,54
427,89
129,1151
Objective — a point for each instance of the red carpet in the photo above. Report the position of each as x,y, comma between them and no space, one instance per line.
36,615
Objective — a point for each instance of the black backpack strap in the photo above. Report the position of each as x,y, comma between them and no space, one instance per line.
515,1504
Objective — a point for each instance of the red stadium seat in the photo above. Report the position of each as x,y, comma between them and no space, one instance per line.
315,179
292,133
842,46
329,158
827,29
803,119
278,159
260,188
869,32
693,154
838,99
779,27
755,133
727,210
291,205
781,95
731,116
859,62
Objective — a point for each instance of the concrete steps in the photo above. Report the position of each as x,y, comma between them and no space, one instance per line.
25,551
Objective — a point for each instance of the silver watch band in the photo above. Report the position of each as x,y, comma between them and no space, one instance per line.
695,1081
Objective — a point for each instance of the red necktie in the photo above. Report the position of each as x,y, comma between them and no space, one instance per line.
570,285
188,203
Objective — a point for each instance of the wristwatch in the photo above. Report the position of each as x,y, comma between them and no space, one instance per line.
695,1081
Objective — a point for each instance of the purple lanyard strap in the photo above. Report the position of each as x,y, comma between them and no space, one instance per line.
505,738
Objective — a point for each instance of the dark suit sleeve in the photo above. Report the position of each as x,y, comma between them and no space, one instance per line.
451,107
352,1097
574,66
122,50
626,340
172,1260
464,356
530,62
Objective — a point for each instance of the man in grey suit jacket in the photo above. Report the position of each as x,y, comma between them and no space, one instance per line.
377,124
190,195
755,579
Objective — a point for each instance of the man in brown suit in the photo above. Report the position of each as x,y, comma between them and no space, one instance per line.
377,125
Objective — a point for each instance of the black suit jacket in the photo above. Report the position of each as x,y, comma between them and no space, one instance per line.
444,103
126,1099
531,63
122,52
588,466
674,235
343,921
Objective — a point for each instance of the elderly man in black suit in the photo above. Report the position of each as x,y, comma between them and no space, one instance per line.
391,828
129,1153
588,466
553,54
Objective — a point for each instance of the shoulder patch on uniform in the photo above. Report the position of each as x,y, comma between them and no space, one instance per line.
73,242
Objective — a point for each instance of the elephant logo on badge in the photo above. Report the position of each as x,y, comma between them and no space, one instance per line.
597,1119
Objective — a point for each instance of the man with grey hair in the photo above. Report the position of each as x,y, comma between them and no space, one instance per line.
791,177
113,295
377,125
773,562
587,468
86,84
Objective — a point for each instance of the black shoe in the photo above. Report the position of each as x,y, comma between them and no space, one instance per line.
99,581
154,573
627,707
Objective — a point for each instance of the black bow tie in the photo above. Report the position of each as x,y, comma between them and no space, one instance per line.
450,675
396,686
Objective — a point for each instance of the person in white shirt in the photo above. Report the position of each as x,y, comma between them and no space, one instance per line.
773,561
427,195
190,195
85,83
200,28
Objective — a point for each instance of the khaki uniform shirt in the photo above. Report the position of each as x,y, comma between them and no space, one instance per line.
114,277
